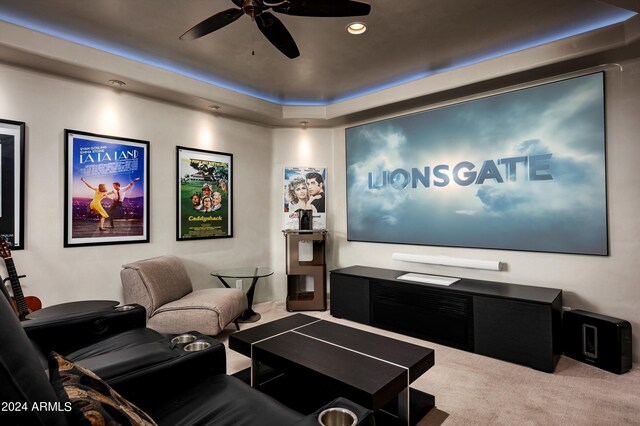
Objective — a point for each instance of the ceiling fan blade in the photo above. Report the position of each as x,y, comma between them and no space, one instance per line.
275,31
324,8
212,24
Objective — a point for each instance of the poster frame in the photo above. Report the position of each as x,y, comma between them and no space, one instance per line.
94,140
12,166
222,183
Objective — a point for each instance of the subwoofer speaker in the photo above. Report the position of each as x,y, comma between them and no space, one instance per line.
599,340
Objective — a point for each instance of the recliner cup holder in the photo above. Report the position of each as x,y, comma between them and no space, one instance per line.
183,338
197,346
124,308
336,416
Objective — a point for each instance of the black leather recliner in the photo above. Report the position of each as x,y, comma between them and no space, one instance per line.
116,345
172,386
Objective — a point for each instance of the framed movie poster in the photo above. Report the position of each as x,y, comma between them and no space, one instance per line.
106,190
12,179
204,196
305,189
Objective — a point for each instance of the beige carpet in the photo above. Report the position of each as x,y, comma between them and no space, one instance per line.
472,389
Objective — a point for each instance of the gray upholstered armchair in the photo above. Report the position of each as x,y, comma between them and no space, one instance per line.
163,287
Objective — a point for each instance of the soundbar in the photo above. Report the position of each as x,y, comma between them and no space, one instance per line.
429,279
448,261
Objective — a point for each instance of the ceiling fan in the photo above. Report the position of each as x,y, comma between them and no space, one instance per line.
272,27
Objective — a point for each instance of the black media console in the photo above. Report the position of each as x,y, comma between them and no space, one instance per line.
516,323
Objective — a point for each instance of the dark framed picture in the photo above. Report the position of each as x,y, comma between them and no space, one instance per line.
12,188
106,190
204,194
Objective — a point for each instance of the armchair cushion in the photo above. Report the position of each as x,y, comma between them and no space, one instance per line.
126,360
207,310
164,279
125,340
91,401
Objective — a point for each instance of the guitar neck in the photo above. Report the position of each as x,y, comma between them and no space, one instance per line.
16,287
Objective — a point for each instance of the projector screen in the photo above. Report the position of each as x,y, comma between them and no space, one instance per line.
522,170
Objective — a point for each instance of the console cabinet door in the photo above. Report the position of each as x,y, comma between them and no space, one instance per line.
514,331
350,298
438,316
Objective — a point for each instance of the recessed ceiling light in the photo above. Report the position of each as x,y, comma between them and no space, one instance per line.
117,83
357,28
214,107
304,124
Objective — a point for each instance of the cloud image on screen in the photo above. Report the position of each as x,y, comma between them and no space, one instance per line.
523,170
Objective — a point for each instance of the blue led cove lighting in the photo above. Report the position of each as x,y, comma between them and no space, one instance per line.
614,17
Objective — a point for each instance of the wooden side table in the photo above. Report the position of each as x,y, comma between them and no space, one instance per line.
299,271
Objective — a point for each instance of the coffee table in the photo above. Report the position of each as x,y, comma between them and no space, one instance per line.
372,370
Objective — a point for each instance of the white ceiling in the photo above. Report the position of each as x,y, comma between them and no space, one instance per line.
408,40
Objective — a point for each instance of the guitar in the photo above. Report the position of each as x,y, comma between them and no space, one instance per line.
21,304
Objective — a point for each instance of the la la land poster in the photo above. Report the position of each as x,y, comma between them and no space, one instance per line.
106,189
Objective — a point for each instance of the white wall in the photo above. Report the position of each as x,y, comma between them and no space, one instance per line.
48,105
297,147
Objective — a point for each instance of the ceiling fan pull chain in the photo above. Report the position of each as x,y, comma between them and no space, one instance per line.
253,40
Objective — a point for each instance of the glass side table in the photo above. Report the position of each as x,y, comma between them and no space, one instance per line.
247,272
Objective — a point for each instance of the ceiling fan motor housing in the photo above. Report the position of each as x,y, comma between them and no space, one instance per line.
252,8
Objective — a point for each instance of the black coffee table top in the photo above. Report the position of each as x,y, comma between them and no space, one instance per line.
241,341
417,358
376,368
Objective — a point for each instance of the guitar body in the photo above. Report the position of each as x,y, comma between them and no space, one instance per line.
32,302
22,305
